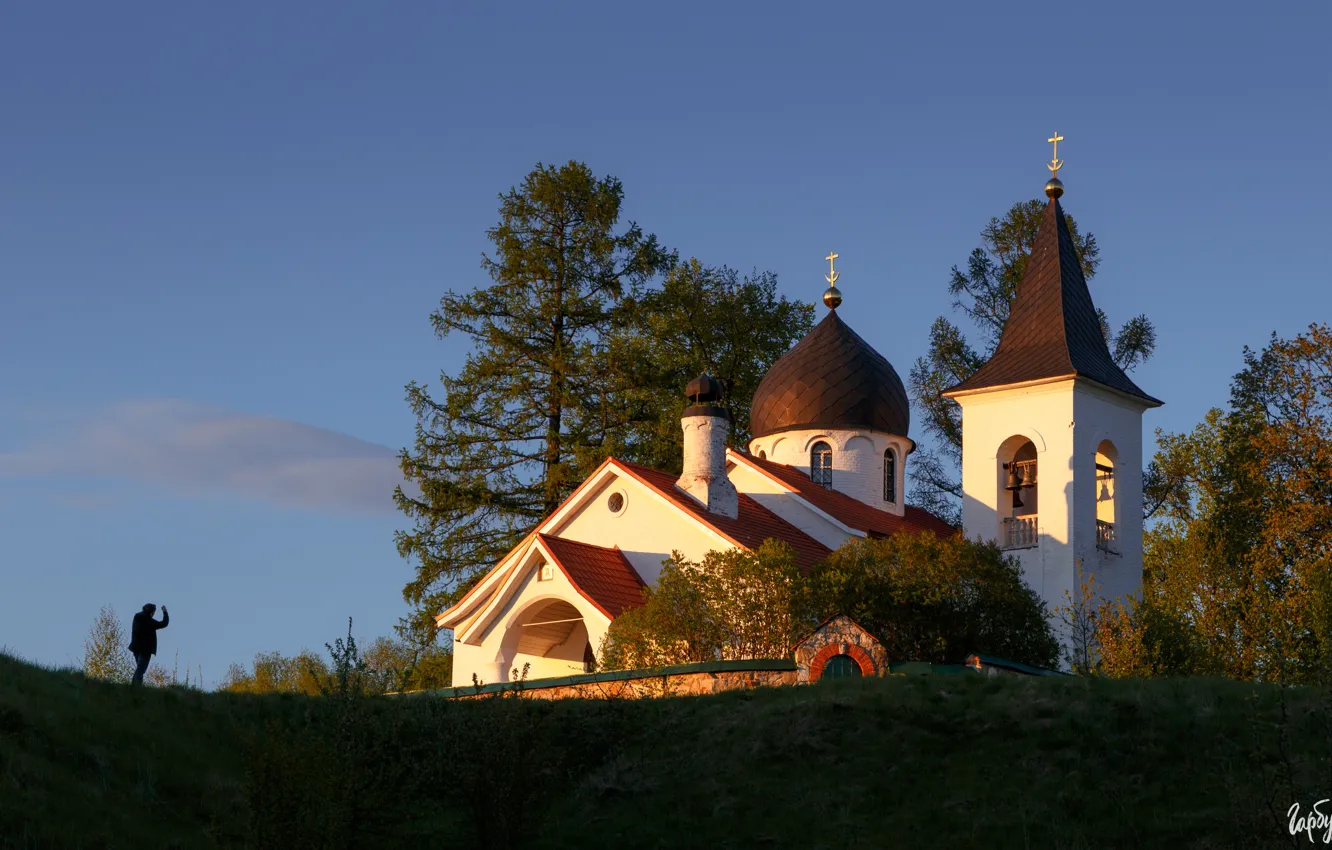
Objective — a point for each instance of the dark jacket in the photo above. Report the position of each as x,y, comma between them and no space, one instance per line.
143,634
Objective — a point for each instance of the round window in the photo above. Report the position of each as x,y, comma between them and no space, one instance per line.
615,502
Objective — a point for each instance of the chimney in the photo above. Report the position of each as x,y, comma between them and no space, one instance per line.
705,428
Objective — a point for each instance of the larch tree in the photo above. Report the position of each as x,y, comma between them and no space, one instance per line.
521,421
983,293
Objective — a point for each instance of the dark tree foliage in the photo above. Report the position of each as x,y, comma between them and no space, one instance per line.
983,293
702,319
500,450
574,358
939,599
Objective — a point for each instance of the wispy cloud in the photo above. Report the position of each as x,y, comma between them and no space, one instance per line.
196,449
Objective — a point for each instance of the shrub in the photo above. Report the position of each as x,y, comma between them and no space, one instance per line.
936,599
734,604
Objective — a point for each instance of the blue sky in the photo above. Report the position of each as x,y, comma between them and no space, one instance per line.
222,229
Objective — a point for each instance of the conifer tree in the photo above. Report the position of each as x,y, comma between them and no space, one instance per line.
984,293
106,649
519,423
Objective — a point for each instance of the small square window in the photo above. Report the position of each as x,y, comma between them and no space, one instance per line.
547,572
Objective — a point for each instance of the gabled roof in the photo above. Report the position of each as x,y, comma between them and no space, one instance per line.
603,576
753,525
831,379
1052,329
826,620
849,511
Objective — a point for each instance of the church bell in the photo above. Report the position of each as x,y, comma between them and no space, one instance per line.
1014,484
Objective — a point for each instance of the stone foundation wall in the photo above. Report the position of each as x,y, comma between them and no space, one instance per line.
684,680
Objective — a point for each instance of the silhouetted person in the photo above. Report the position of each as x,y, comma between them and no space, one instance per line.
143,638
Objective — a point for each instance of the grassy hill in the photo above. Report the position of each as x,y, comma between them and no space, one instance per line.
957,761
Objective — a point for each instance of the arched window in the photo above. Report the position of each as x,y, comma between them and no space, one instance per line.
889,476
840,667
820,464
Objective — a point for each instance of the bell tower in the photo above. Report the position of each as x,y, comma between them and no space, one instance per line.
1052,432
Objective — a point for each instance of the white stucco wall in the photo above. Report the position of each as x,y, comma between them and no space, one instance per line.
492,652
646,529
1044,415
779,500
1101,415
1065,421
857,468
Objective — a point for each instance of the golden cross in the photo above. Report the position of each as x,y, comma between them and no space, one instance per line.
1055,164
832,274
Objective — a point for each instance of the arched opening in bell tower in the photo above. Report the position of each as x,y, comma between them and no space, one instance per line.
1018,491
1107,497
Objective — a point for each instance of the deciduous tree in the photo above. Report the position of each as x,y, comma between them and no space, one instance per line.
929,598
273,672
1238,565
733,604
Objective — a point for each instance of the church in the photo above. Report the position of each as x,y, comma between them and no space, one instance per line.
1051,470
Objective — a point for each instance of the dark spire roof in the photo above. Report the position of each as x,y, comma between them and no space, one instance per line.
831,379
1052,329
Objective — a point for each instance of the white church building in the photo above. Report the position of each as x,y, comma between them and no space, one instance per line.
1051,469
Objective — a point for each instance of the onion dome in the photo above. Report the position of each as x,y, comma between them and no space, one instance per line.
831,379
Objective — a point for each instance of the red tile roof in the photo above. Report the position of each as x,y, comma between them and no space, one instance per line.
749,529
852,513
604,576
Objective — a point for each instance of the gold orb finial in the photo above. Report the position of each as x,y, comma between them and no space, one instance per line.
832,296
1055,187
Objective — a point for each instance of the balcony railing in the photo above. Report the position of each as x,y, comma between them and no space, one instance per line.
1106,537
1020,532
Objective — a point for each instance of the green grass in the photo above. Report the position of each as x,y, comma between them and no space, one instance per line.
927,761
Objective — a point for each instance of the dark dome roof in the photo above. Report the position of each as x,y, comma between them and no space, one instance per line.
831,379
